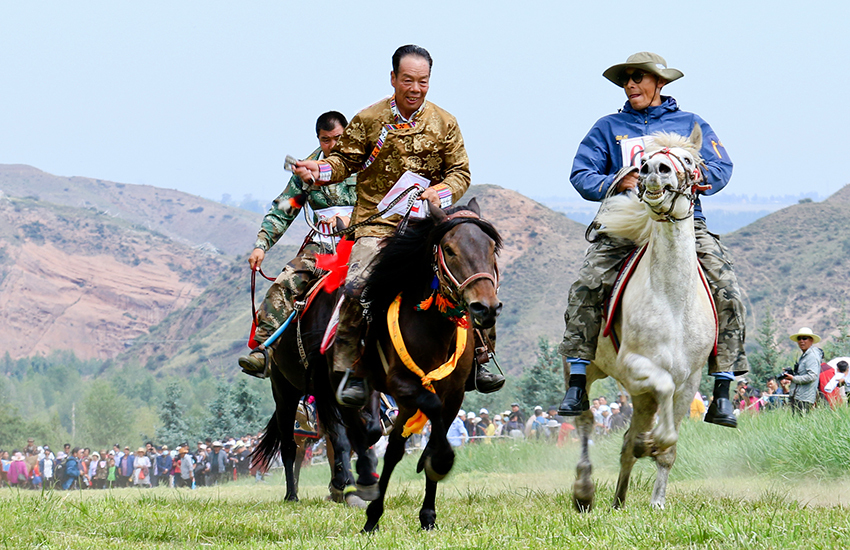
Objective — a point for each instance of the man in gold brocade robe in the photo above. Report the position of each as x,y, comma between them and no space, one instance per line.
398,134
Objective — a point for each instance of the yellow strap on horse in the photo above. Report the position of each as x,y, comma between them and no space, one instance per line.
416,422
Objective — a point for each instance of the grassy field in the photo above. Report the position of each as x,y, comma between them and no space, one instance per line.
777,482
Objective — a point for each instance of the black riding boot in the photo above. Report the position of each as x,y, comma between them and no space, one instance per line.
483,380
720,411
575,401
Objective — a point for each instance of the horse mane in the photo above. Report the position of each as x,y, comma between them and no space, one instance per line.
626,217
404,263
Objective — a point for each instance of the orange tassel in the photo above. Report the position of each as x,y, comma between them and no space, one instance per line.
426,303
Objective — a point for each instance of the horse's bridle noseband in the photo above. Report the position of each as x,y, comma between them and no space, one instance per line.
445,276
689,186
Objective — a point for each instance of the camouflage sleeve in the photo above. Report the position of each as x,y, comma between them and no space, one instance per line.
347,191
281,215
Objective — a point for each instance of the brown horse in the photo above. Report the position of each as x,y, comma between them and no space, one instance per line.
461,249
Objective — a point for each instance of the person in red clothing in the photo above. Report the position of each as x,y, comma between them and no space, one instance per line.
829,383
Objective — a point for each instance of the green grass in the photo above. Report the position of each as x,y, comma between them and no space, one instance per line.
777,482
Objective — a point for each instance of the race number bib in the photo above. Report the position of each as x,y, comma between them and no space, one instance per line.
633,149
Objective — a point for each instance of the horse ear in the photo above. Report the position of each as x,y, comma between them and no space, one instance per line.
438,213
696,137
473,206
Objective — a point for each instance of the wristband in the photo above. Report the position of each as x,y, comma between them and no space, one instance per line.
444,193
325,172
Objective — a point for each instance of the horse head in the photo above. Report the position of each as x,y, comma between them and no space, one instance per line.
671,168
465,262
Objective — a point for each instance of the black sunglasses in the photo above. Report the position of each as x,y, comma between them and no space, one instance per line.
637,76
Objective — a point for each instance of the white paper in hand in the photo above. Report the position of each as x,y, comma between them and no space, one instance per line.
406,180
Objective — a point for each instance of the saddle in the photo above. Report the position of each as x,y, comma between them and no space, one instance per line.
612,302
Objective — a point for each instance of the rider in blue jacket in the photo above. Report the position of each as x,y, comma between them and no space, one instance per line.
599,155
617,141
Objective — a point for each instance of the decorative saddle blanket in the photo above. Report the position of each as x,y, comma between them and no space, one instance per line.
623,277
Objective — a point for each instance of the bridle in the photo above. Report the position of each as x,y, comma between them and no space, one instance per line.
450,286
690,184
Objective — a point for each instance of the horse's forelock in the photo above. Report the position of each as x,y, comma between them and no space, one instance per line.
485,226
666,140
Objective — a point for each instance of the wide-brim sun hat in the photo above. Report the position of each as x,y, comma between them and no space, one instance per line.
805,331
645,61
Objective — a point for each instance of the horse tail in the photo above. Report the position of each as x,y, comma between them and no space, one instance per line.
626,217
269,446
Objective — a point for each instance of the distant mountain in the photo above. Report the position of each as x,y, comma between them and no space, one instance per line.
78,279
796,262
185,218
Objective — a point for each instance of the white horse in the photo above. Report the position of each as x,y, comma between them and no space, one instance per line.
666,320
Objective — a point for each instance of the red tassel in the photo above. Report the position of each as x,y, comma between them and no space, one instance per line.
336,264
298,201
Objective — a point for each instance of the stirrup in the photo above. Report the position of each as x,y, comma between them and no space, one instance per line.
267,370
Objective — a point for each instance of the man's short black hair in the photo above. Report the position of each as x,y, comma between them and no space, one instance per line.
328,121
411,49
842,366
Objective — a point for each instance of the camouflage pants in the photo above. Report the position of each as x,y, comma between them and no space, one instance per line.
347,342
596,276
290,285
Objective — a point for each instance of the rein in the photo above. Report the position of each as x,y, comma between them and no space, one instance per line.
686,180
414,191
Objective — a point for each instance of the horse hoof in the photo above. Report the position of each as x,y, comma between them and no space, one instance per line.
432,473
664,441
428,519
369,529
368,492
291,498
582,505
335,495
354,501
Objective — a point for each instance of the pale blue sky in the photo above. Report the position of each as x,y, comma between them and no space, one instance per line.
208,97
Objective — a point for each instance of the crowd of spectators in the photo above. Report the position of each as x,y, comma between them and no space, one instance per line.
542,424
797,389
212,462
208,463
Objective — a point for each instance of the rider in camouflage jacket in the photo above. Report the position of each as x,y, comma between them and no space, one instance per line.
327,201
